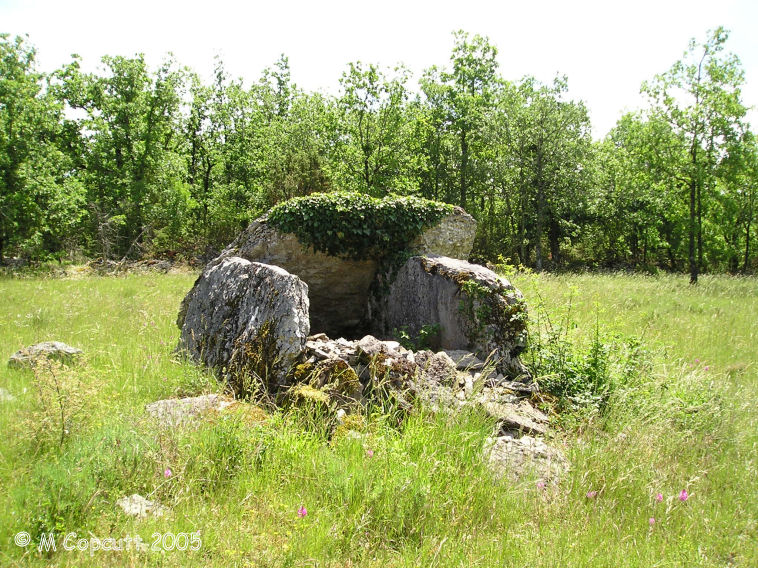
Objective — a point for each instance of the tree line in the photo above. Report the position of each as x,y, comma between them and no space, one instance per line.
131,161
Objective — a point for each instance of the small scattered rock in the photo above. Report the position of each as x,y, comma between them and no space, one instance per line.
174,412
5,396
54,350
520,416
437,368
137,506
519,456
370,346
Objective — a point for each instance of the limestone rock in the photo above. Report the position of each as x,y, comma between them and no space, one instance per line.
511,415
137,506
369,346
453,236
174,412
436,368
465,360
246,317
338,287
5,396
476,310
519,456
54,350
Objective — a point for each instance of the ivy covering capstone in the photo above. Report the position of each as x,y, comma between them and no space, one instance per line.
357,226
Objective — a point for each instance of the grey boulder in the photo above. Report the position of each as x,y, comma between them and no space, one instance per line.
246,318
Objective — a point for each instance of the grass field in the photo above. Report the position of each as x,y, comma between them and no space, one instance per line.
681,416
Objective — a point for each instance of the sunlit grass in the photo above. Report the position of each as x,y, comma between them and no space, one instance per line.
422,495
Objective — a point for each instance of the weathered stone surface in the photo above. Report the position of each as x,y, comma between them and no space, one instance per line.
477,310
338,288
54,350
369,346
5,396
465,360
246,316
520,456
174,412
436,368
512,416
137,506
453,237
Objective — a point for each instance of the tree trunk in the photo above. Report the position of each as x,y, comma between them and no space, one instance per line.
699,228
692,258
554,236
464,168
539,184
538,229
744,264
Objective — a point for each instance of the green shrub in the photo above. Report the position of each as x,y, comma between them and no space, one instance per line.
581,377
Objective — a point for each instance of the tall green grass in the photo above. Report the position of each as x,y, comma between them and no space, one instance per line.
408,494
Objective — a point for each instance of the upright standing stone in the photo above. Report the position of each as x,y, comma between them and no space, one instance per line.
246,315
475,309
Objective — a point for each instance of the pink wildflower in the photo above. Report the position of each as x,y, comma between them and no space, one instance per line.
370,453
683,496
302,511
659,497
651,521
540,485
591,494
168,473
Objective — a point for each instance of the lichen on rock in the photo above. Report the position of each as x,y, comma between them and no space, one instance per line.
247,320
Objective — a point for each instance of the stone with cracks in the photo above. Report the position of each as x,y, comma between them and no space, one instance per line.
173,412
476,310
246,317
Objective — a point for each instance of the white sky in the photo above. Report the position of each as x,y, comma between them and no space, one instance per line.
606,47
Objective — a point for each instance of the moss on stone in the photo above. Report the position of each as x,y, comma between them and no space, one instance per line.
306,395
336,377
253,363
350,423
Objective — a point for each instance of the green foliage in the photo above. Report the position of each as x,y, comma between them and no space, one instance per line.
583,379
700,97
134,161
428,337
354,225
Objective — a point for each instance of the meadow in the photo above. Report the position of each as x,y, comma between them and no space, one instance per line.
655,385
